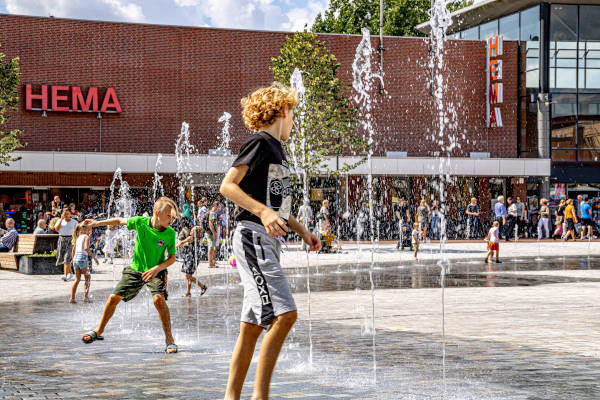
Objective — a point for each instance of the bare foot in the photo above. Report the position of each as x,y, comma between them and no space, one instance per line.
86,299
72,301
187,295
203,288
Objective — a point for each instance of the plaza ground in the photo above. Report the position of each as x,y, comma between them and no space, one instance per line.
527,328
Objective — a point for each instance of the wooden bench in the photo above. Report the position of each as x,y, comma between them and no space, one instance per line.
24,246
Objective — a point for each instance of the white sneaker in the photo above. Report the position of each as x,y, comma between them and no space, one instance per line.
64,278
69,277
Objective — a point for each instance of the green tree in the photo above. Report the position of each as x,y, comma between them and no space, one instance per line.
326,120
400,17
9,98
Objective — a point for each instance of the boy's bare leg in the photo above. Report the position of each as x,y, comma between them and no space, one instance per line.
165,318
74,286
241,359
498,255
489,253
269,351
109,310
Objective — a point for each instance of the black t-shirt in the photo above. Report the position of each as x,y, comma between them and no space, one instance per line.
402,210
268,178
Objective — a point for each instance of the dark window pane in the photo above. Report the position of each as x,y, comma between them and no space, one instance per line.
488,29
563,46
589,121
589,155
509,27
530,24
471,33
589,23
564,122
563,155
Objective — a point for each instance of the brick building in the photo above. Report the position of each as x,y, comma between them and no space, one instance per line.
164,75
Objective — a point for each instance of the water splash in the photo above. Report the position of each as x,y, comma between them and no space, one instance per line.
120,205
363,76
225,136
184,150
157,186
297,83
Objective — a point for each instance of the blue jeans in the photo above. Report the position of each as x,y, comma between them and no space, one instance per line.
435,226
4,249
473,227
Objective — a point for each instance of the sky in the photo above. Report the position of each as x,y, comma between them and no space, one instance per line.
279,15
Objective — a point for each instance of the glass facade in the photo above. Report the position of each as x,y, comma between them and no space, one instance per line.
574,75
575,82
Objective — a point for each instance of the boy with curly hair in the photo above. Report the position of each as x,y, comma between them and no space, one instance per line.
148,267
259,184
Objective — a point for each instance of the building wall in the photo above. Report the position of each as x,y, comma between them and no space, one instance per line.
164,75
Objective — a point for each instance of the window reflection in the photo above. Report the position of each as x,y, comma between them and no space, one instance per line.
563,46
589,122
564,124
530,33
509,27
488,30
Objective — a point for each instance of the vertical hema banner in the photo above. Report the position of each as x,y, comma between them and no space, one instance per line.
495,88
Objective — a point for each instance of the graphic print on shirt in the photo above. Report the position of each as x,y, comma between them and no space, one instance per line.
279,189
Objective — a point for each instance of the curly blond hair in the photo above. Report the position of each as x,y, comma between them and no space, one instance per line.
265,105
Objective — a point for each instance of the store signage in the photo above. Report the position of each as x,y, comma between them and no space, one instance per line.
71,99
495,88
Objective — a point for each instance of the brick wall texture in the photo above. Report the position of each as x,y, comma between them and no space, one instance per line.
164,75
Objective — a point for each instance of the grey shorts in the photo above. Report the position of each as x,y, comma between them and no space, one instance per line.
267,294
63,250
210,240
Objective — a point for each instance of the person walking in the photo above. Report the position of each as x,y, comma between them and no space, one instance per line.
571,220
544,221
323,218
402,215
512,219
587,223
65,226
473,219
559,218
500,214
80,260
521,217
423,213
436,219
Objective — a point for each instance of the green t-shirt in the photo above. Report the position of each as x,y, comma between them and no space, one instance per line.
150,244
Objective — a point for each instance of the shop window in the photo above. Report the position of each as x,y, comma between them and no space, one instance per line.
509,27
588,129
488,30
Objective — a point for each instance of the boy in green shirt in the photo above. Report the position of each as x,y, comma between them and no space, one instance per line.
149,266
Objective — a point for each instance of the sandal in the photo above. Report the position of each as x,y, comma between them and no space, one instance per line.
91,337
171,346
203,289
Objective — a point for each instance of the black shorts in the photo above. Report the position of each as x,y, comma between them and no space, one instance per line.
587,222
570,224
131,283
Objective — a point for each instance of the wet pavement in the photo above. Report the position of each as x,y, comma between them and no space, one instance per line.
43,357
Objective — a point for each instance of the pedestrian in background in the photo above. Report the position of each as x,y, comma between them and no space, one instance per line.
473,219
544,220
500,214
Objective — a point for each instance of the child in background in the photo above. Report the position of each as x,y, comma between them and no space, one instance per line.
415,239
80,260
190,262
493,239
110,242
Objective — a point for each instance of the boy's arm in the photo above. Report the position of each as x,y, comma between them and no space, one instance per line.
308,237
86,246
152,272
113,221
230,188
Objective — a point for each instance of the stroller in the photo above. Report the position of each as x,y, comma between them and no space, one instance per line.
404,240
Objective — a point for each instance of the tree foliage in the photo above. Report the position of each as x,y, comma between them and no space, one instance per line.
400,17
326,121
9,99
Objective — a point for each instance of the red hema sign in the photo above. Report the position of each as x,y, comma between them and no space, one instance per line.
494,76
71,99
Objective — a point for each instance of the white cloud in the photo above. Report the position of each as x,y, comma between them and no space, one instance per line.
298,17
120,10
